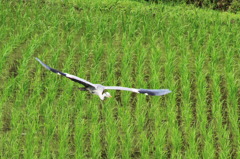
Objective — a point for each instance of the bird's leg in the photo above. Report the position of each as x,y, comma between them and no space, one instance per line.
82,89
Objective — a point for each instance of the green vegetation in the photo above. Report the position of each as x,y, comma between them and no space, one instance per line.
195,53
224,5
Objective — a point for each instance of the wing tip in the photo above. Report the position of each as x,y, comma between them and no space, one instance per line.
44,65
168,91
37,59
165,91
156,92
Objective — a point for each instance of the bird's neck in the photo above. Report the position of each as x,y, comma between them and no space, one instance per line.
101,96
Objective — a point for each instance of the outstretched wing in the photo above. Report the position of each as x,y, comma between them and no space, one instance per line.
152,92
71,77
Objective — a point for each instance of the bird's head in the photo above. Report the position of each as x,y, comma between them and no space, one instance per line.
106,94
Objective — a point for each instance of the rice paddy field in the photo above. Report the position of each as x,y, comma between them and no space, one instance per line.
193,52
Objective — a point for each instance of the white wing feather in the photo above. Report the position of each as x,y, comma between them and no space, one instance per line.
71,77
153,92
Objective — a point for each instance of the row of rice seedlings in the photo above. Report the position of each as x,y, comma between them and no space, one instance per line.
124,77
197,99
21,85
157,105
127,74
141,110
232,102
31,119
109,127
10,26
59,130
174,139
13,43
199,109
80,132
198,75
81,103
111,63
110,107
205,144
111,134
95,125
49,94
32,114
6,105
118,117
126,131
125,117
5,31
95,107
67,101
64,109
189,133
8,81
75,62
222,144
49,107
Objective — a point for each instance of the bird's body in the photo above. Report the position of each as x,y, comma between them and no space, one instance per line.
98,89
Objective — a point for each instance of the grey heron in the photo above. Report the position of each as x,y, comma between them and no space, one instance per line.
98,89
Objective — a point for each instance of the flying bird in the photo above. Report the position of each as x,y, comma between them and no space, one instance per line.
98,89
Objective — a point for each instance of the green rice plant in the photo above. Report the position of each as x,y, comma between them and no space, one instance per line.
202,108
80,134
9,47
48,105
141,110
65,111
111,134
20,86
232,102
157,112
126,66
95,130
189,132
222,144
126,132
173,131
6,116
